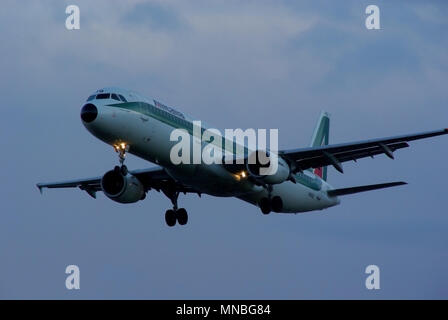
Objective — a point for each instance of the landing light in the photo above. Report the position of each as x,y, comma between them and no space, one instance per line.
121,147
240,175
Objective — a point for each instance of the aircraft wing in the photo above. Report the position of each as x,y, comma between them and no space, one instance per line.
152,178
315,157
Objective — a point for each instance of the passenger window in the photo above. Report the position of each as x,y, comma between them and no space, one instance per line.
103,96
115,97
122,98
91,97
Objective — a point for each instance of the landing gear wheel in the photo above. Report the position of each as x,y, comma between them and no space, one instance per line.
277,204
124,170
170,218
176,214
265,205
117,169
182,216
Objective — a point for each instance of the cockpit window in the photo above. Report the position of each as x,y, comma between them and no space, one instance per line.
103,96
122,98
91,97
114,96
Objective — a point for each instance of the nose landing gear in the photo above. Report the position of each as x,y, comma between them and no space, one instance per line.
121,148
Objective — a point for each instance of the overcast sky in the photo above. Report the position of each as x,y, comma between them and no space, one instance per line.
232,64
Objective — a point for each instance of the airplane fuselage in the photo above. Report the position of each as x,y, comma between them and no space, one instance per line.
146,129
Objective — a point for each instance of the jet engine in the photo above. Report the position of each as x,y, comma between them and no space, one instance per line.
122,189
260,167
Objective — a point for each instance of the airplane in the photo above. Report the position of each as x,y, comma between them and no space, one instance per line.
133,124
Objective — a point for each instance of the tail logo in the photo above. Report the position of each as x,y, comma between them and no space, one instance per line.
319,172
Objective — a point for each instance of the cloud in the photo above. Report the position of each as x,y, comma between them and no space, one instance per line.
261,64
206,57
429,12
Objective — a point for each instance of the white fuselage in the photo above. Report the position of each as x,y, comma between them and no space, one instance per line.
149,139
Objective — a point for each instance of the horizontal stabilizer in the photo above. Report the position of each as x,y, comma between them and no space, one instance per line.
345,191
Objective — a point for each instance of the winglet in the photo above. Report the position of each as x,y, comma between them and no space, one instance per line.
39,187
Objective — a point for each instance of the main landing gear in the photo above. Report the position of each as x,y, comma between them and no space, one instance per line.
175,214
270,203
179,215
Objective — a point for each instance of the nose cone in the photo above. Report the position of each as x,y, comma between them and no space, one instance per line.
89,113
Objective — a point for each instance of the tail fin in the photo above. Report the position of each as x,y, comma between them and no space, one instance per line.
321,137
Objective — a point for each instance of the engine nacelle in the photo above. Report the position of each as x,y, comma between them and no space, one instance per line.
262,166
122,189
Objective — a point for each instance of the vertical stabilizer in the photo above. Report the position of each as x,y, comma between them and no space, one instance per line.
321,137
